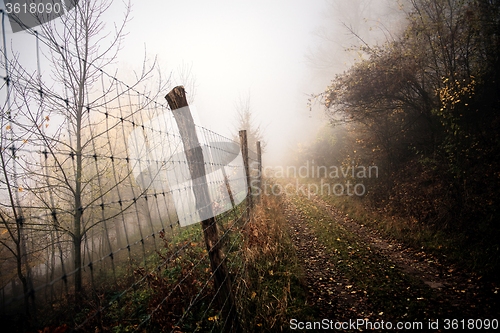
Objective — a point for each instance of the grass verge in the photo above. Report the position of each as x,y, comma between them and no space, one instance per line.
273,289
179,296
479,254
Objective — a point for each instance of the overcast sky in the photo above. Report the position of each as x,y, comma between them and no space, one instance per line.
235,49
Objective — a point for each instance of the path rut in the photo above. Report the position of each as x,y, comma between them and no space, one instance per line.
336,297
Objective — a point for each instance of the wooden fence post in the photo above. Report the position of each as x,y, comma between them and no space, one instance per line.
259,161
228,187
177,101
244,153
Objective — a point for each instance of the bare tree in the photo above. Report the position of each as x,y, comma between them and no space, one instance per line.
74,125
245,121
347,28
12,232
187,79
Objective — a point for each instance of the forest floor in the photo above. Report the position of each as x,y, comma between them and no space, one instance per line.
354,272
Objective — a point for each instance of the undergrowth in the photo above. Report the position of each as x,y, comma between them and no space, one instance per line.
273,281
179,296
393,293
479,254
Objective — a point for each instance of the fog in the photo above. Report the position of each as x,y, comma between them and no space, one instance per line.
378,112
273,54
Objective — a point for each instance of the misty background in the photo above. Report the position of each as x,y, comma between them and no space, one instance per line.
272,54
98,185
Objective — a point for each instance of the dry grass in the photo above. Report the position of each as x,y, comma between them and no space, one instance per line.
271,288
267,280
479,256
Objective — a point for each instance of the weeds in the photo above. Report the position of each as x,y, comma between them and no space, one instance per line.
271,289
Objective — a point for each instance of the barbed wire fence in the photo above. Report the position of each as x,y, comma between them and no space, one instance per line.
101,196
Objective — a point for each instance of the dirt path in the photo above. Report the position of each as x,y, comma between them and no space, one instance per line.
460,289
452,292
329,291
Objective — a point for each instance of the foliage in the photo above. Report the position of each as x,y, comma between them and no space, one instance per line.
178,295
424,109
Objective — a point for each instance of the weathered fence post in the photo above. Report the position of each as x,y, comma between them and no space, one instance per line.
259,170
177,101
228,187
244,153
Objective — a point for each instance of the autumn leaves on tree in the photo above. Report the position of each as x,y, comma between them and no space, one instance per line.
424,108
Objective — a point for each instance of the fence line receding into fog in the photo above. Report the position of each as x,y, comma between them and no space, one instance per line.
94,191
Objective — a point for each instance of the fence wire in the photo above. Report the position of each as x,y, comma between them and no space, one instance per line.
96,202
